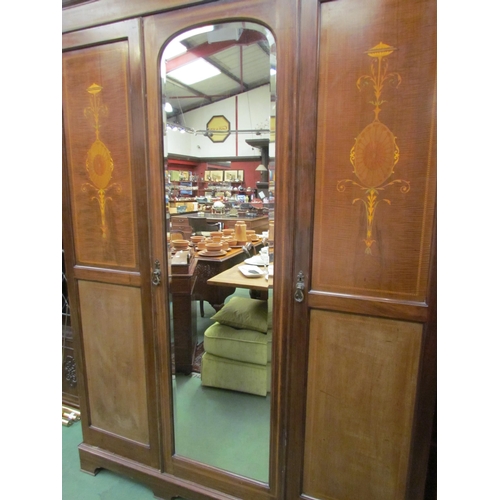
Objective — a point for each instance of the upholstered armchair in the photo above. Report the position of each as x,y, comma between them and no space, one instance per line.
238,347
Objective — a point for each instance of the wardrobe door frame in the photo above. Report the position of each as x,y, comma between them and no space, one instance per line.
99,445
423,313
283,28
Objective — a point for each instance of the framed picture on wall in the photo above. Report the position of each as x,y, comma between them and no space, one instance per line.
241,175
230,175
216,175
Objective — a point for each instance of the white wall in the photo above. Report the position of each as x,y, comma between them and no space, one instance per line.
253,113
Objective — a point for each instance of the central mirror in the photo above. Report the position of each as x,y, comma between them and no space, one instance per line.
218,108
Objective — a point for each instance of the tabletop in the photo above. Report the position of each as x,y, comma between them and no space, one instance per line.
233,277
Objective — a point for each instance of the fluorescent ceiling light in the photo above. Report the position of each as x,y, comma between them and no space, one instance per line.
194,72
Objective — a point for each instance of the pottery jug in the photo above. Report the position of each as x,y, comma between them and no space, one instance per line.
240,231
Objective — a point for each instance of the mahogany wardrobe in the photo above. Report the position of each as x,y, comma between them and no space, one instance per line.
353,393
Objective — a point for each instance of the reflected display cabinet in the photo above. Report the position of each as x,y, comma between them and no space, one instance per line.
353,391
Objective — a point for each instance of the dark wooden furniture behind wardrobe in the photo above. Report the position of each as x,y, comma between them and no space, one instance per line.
354,361
184,315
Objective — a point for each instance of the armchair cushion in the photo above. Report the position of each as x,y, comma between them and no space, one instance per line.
247,346
244,313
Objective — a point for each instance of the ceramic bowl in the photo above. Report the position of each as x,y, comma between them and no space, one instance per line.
213,246
180,244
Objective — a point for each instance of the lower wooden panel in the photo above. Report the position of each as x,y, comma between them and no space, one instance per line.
113,344
361,387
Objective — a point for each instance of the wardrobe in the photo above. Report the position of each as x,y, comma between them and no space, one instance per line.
353,393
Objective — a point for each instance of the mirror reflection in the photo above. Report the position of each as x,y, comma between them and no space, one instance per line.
218,99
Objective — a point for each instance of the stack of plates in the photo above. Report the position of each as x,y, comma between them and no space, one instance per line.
256,260
251,271
217,253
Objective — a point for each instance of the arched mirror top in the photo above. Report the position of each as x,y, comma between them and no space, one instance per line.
213,64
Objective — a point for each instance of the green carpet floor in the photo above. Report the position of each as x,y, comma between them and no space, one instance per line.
106,485
225,429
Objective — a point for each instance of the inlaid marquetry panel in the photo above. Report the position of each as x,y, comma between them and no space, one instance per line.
362,376
97,131
113,343
376,170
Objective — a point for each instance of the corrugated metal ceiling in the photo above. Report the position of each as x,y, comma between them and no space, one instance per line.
244,64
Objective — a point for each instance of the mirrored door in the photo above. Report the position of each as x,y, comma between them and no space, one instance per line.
218,123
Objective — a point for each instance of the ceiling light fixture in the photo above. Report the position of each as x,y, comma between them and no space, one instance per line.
175,127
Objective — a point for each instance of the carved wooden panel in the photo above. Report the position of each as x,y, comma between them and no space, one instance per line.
97,130
361,386
113,344
376,170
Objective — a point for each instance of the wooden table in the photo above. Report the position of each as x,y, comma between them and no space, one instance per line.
207,268
182,284
234,277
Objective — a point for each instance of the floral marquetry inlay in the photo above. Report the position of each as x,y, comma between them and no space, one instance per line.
375,152
99,162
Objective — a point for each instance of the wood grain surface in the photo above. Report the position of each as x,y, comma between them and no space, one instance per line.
360,396
396,264
105,66
114,354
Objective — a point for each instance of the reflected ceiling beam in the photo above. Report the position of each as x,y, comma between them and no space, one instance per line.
207,50
233,77
204,50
